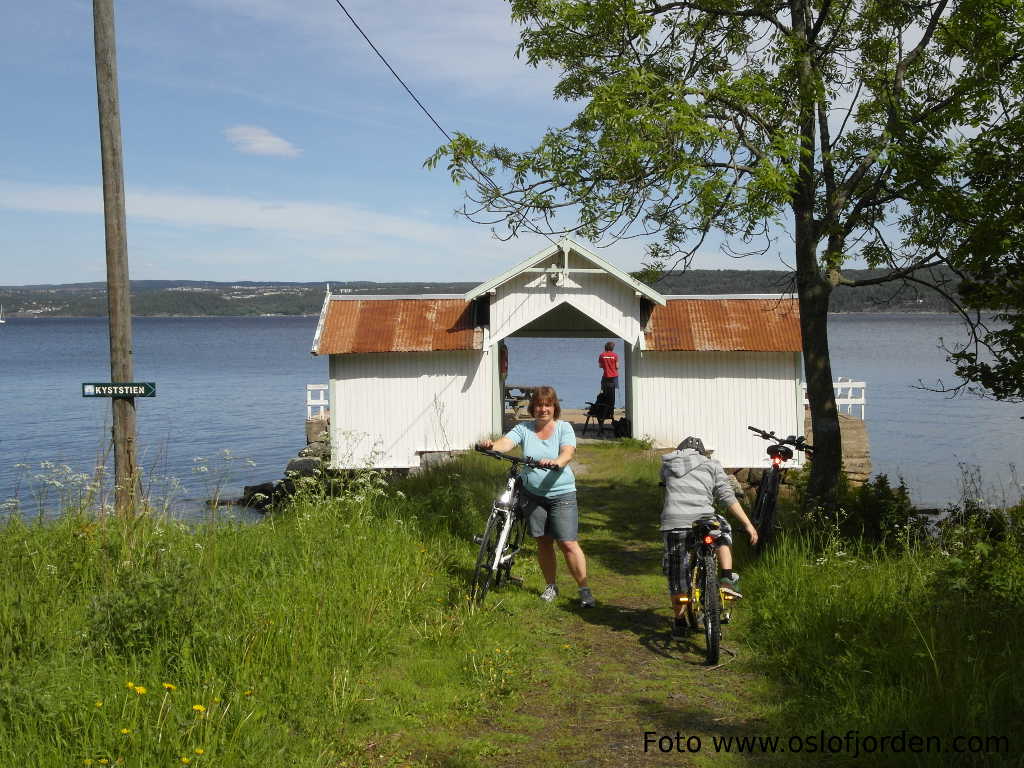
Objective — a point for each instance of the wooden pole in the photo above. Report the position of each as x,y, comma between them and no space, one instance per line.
118,288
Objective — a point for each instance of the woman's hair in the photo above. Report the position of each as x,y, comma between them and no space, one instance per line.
609,345
546,395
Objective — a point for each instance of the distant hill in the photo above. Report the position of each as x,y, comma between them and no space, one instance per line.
203,298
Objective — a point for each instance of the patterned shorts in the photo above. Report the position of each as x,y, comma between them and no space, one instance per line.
675,563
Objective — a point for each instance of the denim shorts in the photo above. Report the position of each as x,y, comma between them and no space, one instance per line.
675,563
557,516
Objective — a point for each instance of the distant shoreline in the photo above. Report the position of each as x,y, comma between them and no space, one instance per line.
25,316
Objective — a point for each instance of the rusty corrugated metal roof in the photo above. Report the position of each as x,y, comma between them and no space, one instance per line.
357,326
704,325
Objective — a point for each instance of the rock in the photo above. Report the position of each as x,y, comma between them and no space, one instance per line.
257,496
317,450
306,466
316,431
754,475
742,475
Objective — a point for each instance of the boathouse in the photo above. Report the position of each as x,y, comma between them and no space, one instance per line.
417,375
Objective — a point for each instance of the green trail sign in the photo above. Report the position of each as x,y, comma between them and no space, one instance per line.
119,389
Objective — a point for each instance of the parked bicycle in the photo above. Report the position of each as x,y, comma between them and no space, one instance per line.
706,603
780,451
505,529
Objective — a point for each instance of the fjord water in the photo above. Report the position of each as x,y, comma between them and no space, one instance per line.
238,385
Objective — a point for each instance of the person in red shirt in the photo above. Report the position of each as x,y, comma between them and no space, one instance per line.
608,362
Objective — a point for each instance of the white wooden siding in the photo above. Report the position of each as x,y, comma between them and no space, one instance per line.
386,408
601,297
715,396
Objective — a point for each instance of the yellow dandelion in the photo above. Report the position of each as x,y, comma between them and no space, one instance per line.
87,761
200,750
567,646
140,689
129,684
170,686
248,693
198,707
97,703
103,761
125,731
186,760
216,700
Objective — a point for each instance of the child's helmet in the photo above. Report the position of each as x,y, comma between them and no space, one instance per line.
692,442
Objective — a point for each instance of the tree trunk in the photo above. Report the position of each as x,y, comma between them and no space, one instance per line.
813,290
822,490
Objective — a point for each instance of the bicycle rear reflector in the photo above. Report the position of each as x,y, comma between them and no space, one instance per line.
709,539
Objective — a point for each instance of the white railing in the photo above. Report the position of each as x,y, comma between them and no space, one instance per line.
849,395
316,401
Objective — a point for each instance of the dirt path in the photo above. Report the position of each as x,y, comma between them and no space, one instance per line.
624,676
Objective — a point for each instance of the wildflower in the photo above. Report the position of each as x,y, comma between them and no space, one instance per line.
199,750
567,646
103,761
186,760
129,684
198,707
216,699
98,704
248,693
170,686
125,731
87,761
140,689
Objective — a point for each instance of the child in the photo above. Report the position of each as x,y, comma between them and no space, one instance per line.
693,482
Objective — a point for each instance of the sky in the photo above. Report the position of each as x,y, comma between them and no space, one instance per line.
264,140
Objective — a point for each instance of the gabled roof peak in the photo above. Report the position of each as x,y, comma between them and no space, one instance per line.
565,246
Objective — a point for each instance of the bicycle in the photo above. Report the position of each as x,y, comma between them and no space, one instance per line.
763,514
505,529
704,602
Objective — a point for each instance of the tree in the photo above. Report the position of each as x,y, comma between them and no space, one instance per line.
828,119
980,226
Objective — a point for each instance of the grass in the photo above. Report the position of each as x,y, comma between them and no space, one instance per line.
291,643
339,634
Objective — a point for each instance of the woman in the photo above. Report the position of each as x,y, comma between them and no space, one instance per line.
549,495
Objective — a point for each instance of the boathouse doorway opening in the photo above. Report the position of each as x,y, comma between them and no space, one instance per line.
560,349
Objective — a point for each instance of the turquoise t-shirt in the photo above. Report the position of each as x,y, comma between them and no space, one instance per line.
545,482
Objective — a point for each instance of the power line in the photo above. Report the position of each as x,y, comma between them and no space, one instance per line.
426,111
392,70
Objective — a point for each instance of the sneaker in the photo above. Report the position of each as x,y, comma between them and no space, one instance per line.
586,598
680,628
728,586
549,594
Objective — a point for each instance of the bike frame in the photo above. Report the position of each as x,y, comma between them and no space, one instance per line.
505,529
779,452
704,605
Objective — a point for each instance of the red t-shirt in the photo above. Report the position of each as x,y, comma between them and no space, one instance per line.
609,362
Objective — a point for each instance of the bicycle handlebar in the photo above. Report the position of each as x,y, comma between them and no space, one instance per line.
797,442
527,460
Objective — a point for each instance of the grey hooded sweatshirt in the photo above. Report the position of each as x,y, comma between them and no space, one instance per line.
692,483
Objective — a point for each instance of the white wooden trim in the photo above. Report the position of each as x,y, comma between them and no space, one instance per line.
849,395
320,323
318,403
564,246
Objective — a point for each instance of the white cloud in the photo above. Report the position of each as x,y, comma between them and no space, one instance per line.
254,140
467,43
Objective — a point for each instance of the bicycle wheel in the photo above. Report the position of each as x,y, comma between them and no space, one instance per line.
512,547
483,573
711,607
764,508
